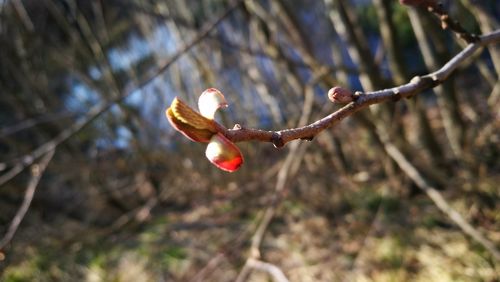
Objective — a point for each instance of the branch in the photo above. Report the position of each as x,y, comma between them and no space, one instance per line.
28,123
36,174
101,108
23,15
361,101
448,23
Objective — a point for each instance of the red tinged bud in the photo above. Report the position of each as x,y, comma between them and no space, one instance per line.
201,127
340,95
223,153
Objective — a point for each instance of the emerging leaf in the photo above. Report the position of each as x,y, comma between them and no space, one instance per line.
223,153
193,133
210,101
190,123
186,114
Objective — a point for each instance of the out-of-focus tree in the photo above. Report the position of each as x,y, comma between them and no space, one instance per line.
96,184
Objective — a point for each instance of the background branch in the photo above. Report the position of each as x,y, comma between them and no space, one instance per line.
37,171
99,109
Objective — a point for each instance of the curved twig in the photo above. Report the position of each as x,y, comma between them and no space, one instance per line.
363,100
36,174
448,23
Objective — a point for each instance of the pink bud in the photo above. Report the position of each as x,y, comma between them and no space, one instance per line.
340,95
223,153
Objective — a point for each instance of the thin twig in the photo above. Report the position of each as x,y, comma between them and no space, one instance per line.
101,108
436,7
28,123
448,23
37,171
23,15
363,100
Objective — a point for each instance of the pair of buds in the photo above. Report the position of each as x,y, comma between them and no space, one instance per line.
201,127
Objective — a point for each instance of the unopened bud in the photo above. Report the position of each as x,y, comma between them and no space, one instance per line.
210,101
223,153
340,95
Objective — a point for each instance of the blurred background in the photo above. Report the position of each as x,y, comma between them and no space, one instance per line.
83,90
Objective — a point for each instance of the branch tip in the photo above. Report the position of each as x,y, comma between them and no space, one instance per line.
340,95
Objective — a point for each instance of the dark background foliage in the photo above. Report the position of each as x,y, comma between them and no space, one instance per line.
126,198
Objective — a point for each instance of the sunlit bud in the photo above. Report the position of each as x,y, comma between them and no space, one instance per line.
201,127
340,95
210,101
190,123
223,153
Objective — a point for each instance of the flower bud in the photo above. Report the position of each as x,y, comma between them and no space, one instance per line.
210,101
340,95
223,153
201,127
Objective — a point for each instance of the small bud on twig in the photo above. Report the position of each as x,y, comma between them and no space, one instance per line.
340,95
